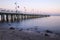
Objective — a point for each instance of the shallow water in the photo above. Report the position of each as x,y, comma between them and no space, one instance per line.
46,23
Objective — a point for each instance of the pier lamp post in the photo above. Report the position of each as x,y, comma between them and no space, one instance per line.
16,7
25,9
25,12
17,16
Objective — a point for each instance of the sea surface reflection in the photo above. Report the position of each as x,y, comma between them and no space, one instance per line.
47,23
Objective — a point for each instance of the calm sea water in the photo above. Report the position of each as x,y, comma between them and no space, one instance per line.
47,23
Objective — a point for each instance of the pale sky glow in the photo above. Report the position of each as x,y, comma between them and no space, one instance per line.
50,6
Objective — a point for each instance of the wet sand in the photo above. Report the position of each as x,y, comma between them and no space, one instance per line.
9,34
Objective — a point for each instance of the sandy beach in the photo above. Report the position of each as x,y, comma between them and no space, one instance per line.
9,34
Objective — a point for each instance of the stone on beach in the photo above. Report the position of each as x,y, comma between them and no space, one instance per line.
48,31
12,28
46,35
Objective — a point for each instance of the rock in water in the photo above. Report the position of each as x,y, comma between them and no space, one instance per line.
12,28
49,31
46,35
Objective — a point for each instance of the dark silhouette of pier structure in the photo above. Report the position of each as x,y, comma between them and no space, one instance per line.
18,16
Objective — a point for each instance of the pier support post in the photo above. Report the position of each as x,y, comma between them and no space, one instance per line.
12,18
21,16
15,18
18,17
2,18
7,18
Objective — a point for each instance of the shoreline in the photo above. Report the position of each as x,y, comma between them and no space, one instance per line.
13,34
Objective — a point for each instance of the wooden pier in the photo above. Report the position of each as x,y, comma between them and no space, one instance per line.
7,17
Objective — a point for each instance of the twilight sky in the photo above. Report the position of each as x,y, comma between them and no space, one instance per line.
37,6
